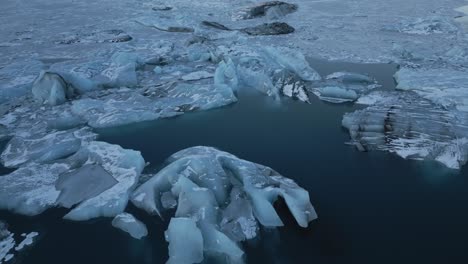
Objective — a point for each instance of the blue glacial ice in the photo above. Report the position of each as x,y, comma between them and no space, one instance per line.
223,198
128,223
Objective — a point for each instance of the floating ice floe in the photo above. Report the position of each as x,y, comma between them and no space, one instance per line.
220,201
31,189
410,126
340,87
128,223
28,239
271,9
445,87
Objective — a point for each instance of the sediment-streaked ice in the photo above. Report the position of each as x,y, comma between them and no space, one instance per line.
412,127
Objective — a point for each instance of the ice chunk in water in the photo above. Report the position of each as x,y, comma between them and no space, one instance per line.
411,127
128,223
336,94
82,184
340,87
27,241
185,241
210,183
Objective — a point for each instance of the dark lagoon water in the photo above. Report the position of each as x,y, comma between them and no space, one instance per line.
373,207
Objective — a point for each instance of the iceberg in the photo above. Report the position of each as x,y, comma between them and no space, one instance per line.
128,223
341,87
412,127
220,197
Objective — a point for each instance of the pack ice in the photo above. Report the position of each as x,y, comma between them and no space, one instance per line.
220,201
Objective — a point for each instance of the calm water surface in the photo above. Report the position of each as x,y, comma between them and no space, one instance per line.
373,207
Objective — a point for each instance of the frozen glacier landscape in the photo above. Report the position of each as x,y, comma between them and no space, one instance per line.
157,131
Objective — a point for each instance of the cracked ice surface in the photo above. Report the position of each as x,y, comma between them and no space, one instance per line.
219,198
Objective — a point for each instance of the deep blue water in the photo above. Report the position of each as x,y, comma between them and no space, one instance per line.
373,207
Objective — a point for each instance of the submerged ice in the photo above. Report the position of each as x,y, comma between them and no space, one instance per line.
221,200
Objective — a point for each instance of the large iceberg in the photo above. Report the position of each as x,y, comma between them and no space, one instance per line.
221,197
410,126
